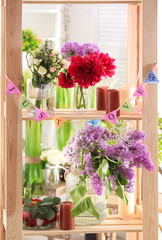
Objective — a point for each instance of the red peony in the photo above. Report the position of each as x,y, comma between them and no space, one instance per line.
32,223
87,70
26,215
108,64
65,81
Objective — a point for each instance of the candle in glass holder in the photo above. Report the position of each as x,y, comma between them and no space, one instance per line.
66,221
126,93
112,101
101,97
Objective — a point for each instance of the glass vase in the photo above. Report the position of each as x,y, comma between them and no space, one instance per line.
99,201
44,98
80,99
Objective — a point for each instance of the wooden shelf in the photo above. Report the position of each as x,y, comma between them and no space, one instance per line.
69,114
113,224
81,1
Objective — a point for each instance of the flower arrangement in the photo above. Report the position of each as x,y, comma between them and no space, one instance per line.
29,40
53,157
45,64
86,66
106,161
40,214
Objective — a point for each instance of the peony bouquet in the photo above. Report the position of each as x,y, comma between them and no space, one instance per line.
108,163
53,157
40,214
86,65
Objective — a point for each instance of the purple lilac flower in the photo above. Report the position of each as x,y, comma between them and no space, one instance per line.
135,136
70,49
87,48
130,187
96,184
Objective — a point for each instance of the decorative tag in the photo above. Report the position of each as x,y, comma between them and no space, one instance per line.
12,89
58,121
126,106
111,117
151,78
25,103
95,122
41,115
140,91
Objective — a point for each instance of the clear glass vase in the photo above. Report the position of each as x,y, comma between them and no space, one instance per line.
99,201
80,99
44,98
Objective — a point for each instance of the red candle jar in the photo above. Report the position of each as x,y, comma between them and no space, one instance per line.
66,221
100,97
112,101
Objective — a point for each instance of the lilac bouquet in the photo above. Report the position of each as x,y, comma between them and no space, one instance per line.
108,164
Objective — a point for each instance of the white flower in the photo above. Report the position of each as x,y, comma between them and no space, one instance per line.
39,222
36,61
42,70
54,157
48,75
30,59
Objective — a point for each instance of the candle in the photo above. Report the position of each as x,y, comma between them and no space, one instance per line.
66,221
126,212
100,97
112,100
126,93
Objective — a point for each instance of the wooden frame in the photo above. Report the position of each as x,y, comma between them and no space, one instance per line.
11,160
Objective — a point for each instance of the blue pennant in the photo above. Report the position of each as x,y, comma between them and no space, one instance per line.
151,78
94,122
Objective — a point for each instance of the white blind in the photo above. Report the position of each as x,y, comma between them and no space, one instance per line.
112,38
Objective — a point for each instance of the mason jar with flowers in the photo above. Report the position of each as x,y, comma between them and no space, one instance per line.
86,65
104,163
45,64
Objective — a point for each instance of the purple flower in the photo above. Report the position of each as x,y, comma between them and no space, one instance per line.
87,48
70,49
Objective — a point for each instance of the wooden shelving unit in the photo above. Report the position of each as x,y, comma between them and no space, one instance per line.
69,114
142,44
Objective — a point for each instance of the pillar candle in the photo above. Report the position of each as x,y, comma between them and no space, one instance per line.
126,212
101,98
126,93
112,100
66,221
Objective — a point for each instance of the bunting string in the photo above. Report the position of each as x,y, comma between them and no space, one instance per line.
112,116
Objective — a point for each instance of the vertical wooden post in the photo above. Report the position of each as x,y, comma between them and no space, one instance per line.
150,121
2,123
14,121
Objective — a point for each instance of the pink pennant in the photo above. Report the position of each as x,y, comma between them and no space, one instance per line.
140,91
110,117
41,115
12,89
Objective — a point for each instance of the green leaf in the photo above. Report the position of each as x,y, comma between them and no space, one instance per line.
27,200
109,188
91,208
42,210
39,203
120,192
33,212
47,199
47,204
77,193
81,207
26,208
122,179
102,170
50,214
56,200
33,187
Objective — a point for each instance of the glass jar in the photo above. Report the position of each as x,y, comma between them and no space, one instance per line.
99,201
80,99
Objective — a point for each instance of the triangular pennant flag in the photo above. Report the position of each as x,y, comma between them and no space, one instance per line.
95,122
151,78
12,89
41,115
58,121
25,103
126,106
111,117
140,91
